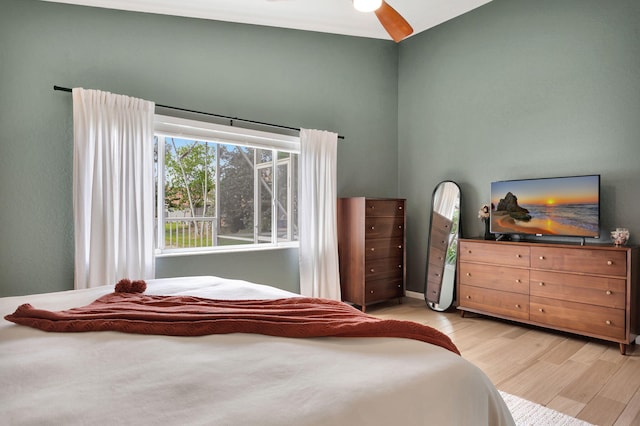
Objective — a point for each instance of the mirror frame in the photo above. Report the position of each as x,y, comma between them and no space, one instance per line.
442,252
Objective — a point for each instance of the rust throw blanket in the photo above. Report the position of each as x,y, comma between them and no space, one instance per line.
194,316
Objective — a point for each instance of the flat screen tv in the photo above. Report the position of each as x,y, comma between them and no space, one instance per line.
560,206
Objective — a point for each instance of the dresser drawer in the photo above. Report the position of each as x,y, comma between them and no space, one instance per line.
494,277
501,303
378,249
589,319
439,240
384,208
589,261
496,253
594,290
383,227
435,272
384,289
383,268
442,226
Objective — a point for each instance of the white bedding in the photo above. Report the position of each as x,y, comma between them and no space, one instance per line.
111,378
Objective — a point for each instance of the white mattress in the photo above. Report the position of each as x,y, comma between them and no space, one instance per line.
236,379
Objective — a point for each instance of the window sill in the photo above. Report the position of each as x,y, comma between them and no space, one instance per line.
222,250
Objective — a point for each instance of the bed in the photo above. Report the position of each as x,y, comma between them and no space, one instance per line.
110,377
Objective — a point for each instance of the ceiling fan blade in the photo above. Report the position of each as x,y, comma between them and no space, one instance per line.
397,27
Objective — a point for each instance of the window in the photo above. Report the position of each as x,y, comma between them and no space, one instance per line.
223,188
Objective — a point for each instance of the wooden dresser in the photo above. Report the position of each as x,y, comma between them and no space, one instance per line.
371,248
589,290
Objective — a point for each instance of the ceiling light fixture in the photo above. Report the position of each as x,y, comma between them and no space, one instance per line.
366,5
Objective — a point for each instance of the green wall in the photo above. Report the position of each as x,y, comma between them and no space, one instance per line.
513,89
520,89
294,78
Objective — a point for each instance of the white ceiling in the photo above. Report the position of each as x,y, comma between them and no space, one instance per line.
328,16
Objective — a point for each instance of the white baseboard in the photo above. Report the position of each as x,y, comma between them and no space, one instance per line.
414,294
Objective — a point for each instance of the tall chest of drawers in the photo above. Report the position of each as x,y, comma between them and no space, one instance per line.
588,290
371,249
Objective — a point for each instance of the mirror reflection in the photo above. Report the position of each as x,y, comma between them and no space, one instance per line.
442,251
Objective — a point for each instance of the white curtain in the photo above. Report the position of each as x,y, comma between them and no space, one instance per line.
446,199
113,190
319,269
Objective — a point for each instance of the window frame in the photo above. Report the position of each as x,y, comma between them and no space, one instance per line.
183,128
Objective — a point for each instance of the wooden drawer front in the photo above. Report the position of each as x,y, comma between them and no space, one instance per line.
605,262
384,227
600,291
384,208
378,290
494,253
436,264
594,320
437,258
441,225
378,249
435,272
495,277
383,268
503,303
439,241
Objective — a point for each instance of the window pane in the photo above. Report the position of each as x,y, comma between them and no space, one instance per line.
189,193
236,195
283,206
265,189
219,194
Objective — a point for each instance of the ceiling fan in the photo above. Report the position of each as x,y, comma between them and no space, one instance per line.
397,27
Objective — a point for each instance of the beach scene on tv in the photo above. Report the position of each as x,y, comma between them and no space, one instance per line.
552,206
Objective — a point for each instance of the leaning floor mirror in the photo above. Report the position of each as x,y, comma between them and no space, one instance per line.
442,250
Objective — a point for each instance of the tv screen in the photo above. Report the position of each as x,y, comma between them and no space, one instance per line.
562,206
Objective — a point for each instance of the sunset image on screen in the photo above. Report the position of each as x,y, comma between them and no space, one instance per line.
549,206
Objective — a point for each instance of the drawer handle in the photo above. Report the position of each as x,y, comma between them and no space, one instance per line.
518,256
468,297
400,266
373,249
518,281
541,257
399,285
608,292
372,270
517,306
371,291
399,207
607,322
399,226
469,251
468,274
541,310
373,227
609,262
436,274
541,284
400,247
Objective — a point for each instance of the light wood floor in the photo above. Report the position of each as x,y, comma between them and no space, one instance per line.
585,378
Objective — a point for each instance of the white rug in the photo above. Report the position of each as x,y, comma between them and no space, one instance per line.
527,413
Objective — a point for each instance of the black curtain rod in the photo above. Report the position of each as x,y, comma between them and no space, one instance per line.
232,119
